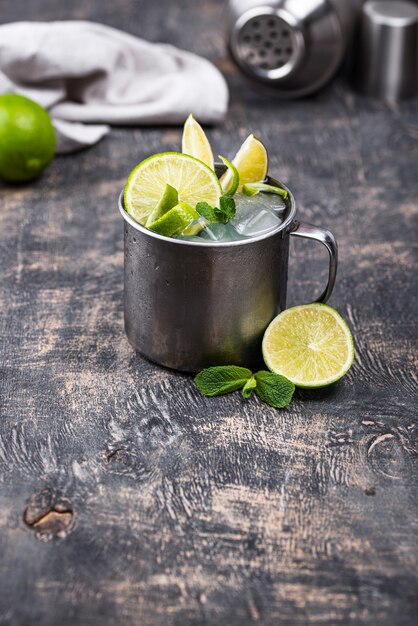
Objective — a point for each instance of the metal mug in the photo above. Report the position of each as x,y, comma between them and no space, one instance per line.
190,305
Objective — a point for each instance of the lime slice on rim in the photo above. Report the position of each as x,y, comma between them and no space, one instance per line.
234,182
310,344
251,189
251,162
195,142
177,221
194,181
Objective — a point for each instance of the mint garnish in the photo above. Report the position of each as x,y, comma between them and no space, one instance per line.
205,210
249,387
215,381
225,212
274,389
226,209
271,388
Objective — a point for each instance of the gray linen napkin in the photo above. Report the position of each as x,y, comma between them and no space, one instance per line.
87,72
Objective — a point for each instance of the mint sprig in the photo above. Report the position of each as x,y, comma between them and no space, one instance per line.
226,209
206,211
215,381
249,387
273,389
225,212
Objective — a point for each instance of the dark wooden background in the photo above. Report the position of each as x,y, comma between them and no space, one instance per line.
128,498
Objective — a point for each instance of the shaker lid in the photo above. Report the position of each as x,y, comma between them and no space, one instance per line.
386,57
295,47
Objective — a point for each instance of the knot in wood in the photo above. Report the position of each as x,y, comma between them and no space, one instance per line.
49,515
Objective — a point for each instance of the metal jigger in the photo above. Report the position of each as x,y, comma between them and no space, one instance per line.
386,61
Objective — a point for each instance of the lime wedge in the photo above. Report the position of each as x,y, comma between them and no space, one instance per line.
195,182
251,189
310,344
169,199
195,142
234,177
251,162
178,220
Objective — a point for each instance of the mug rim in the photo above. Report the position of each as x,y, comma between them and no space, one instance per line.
214,244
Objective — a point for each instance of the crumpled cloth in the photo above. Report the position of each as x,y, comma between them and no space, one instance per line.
89,76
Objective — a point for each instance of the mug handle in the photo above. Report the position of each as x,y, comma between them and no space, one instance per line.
308,231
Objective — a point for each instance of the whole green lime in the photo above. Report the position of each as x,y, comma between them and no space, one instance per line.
27,138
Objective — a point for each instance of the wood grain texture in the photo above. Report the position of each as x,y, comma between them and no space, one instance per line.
127,497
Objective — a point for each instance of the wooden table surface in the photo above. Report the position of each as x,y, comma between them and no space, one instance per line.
128,498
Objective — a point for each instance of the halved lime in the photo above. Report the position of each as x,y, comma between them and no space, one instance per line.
194,181
195,142
168,200
234,181
182,219
310,344
251,162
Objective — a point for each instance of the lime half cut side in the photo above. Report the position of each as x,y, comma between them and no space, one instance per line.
194,181
310,344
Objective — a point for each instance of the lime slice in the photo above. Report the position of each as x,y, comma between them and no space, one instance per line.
234,175
195,142
179,220
169,199
251,162
252,189
195,182
310,344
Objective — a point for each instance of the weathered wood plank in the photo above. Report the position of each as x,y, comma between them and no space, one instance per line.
125,496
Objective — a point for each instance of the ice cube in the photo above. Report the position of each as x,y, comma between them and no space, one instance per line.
256,223
212,232
275,203
220,232
247,205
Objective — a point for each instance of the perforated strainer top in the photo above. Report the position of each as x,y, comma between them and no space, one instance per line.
268,42
293,46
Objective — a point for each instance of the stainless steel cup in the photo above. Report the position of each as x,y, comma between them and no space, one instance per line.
386,54
190,305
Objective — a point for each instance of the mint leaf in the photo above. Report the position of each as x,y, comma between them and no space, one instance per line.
215,381
226,209
223,214
274,389
271,388
249,387
205,210
227,205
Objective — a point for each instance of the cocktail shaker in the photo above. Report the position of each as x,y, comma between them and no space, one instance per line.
295,46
